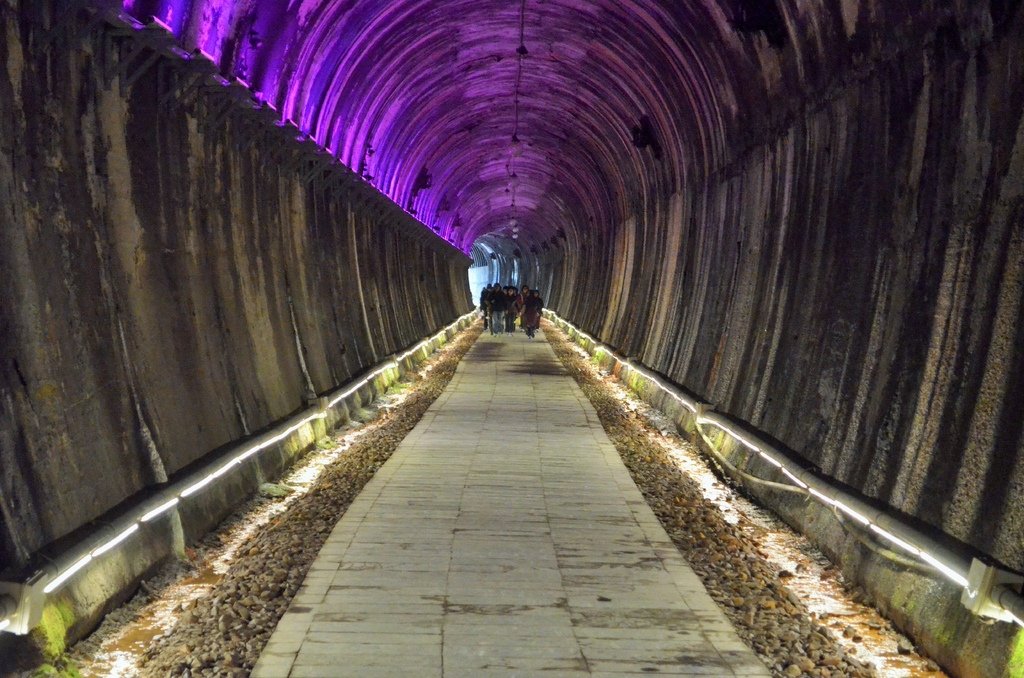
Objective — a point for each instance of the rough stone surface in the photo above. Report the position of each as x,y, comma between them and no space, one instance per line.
851,284
824,241
915,598
809,214
769,617
227,629
167,288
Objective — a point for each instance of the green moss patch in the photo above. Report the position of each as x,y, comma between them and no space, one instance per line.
50,638
51,634
1015,668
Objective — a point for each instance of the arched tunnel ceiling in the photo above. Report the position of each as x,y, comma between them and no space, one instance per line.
427,97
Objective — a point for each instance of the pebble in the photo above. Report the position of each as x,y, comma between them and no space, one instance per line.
219,641
222,627
768,616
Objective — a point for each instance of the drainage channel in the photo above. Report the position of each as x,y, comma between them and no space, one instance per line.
212,613
785,598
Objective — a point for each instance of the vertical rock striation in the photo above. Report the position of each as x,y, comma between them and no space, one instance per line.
166,287
851,283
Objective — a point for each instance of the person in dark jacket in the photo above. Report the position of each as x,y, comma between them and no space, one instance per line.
499,305
485,304
532,309
511,311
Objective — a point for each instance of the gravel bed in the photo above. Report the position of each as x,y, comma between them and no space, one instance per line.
223,633
768,616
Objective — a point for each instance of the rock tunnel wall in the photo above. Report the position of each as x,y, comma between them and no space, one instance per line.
166,288
851,285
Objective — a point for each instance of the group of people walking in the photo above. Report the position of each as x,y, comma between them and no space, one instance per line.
501,306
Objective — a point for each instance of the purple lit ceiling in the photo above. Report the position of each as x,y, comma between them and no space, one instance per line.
426,97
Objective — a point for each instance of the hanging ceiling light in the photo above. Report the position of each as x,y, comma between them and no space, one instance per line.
516,148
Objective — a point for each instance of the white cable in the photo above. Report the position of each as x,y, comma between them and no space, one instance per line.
796,481
950,573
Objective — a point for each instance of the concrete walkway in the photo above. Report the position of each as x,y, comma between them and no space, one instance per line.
504,538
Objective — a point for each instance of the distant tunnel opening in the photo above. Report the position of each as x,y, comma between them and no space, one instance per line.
495,260
800,212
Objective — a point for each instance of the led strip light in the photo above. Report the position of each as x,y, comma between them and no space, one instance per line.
952,572
394,364
163,505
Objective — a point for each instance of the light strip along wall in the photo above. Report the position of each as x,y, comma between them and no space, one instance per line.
952,566
91,549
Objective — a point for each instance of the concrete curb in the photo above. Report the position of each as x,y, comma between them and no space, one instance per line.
103,567
924,606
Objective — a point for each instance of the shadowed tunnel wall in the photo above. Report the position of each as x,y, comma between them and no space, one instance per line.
809,214
167,288
851,282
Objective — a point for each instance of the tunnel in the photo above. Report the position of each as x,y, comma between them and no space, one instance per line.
798,223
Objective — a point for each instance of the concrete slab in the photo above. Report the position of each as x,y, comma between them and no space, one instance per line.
504,538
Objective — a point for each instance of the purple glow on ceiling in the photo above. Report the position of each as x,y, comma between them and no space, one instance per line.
423,97
171,13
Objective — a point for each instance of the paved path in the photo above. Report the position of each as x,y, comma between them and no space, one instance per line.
503,538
